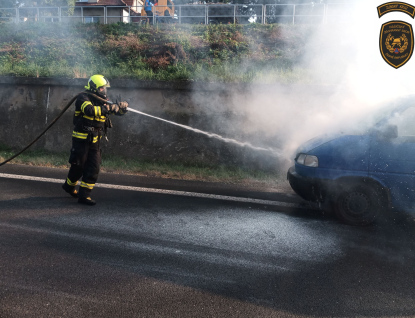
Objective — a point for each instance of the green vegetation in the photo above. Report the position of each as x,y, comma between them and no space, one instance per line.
160,169
223,53
229,53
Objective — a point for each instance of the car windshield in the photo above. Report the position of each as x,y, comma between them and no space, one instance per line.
393,109
399,112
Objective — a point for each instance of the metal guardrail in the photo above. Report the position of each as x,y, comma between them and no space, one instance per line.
199,14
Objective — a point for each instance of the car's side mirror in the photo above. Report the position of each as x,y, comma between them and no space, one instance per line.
388,132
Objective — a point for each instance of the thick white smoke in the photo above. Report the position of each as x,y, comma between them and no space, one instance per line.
350,80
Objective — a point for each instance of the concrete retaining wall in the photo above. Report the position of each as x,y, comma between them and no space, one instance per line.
28,105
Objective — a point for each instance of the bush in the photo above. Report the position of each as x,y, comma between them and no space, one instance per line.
182,52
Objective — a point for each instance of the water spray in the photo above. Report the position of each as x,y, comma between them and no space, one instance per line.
211,135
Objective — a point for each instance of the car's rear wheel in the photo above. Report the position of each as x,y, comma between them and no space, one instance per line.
358,205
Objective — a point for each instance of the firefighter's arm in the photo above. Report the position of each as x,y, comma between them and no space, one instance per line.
90,110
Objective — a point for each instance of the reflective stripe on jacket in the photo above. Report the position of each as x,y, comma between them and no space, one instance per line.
88,118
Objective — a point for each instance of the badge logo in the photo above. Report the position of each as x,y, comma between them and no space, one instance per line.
396,7
396,42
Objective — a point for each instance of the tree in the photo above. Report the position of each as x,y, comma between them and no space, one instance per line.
36,3
5,15
10,15
8,4
56,3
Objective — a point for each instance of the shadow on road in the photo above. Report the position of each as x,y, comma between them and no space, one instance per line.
363,271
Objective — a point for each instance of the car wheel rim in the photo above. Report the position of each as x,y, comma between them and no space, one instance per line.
356,204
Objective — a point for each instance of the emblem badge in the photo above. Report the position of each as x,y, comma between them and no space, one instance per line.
396,7
396,42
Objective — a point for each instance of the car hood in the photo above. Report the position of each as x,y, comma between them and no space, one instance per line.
345,152
316,142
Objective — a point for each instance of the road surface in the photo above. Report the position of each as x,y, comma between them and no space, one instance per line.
154,248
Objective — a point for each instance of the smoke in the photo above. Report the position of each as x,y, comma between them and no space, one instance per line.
349,80
346,56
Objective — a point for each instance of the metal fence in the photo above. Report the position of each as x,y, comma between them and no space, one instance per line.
196,14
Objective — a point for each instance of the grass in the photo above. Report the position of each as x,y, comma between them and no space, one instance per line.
224,53
159,169
219,53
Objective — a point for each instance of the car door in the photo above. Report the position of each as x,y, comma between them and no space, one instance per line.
392,159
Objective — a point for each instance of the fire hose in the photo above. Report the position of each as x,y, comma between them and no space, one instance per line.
210,135
53,122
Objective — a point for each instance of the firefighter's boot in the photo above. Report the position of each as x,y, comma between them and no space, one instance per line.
87,201
84,195
70,189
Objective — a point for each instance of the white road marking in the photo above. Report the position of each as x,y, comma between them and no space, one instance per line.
163,191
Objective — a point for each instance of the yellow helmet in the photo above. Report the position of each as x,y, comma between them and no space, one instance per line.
97,81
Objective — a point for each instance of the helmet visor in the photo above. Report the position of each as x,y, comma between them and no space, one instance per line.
103,91
107,84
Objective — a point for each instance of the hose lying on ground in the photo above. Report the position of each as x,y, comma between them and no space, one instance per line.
55,120
44,131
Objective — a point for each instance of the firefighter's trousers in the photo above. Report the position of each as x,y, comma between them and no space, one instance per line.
85,160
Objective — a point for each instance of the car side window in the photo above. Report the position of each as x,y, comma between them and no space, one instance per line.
405,122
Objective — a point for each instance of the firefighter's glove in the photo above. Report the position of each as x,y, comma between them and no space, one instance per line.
114,108
123,108
109,109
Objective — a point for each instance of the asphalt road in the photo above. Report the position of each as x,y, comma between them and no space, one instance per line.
153,248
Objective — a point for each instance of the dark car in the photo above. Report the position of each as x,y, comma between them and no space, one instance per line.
359,176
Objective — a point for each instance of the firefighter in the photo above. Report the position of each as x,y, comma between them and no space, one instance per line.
91,119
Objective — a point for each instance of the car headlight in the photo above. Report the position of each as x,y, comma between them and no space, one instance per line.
307,160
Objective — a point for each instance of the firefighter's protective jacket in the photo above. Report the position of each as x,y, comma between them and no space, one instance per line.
90,118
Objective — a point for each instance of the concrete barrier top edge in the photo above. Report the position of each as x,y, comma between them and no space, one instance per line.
140,84
119,83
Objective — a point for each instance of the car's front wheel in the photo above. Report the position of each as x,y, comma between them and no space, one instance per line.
358,205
